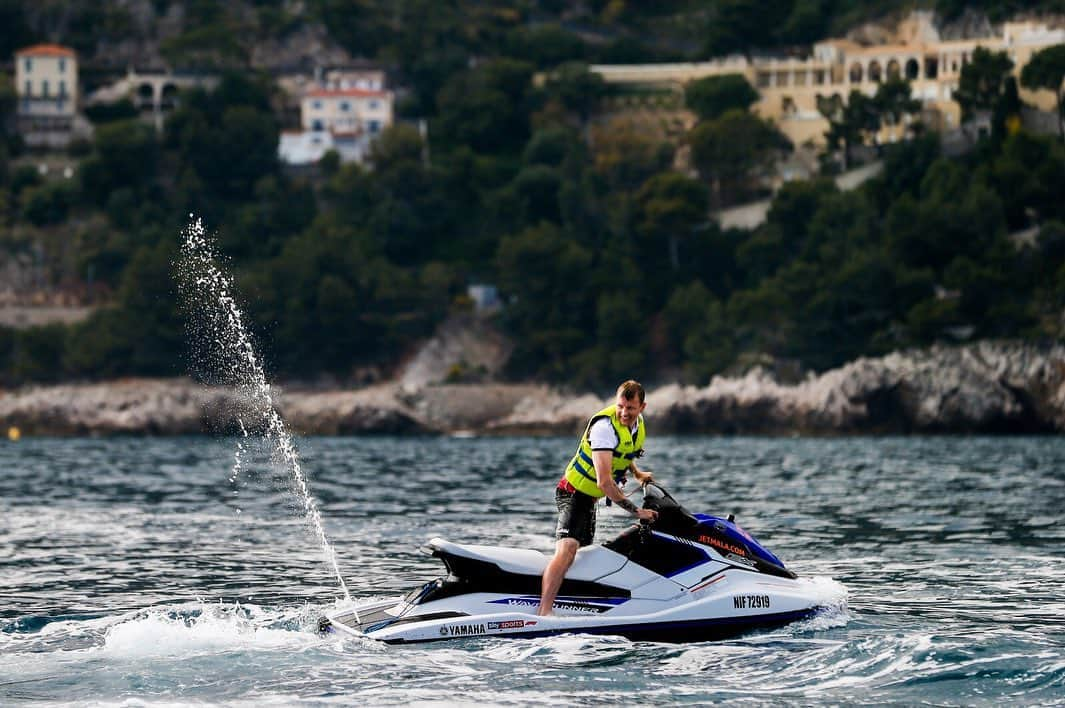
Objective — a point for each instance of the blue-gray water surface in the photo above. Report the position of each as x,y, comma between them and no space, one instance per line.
162,571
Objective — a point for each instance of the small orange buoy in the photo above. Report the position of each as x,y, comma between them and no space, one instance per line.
13,434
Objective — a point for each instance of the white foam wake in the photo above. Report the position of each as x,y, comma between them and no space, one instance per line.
189,630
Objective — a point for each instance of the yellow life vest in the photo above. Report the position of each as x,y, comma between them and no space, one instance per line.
581,470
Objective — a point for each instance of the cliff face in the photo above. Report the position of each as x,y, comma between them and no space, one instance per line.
983,388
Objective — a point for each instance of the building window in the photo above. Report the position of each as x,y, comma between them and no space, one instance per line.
317,125
375,127
893,71
763,79
316,105
29,88
856,73
874,71
373,105
345,106
62,89
28,64
62,65
44,88
819,76
931,67
912,69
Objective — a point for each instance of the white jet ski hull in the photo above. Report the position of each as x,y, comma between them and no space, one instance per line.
690,577
730,606
715,599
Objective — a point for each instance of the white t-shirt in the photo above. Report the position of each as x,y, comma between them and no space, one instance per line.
602,436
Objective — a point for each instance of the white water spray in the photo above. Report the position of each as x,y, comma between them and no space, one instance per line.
207,291
238,458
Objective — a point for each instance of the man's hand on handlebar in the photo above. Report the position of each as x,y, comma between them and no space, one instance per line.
647,515
642,477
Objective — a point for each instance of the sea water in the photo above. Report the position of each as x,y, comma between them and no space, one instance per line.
144,571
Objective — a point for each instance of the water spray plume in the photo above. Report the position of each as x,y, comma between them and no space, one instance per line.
208,293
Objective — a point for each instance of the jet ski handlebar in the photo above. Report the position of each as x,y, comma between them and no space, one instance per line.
653,490
671,514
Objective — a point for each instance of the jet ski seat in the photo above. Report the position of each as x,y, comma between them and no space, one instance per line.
591,563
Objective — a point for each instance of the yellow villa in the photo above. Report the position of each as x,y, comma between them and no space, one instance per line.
789,88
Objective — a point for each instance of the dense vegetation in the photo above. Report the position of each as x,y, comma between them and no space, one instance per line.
602,249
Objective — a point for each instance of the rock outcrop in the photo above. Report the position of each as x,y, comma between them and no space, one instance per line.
162,407
988,387
377,409
180,406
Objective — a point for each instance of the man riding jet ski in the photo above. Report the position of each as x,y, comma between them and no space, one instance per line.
684,577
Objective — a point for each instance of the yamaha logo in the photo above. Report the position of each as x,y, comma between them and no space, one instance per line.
462,630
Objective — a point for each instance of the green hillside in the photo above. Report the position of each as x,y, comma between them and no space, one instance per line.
603,252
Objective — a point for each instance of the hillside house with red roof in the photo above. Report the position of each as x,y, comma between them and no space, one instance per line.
341,113
46,84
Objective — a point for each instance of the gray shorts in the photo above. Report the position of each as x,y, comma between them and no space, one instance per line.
576,516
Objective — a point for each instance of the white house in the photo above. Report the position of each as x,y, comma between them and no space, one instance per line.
346,111
340,110
306,147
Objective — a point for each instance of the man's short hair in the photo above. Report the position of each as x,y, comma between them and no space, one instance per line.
631,389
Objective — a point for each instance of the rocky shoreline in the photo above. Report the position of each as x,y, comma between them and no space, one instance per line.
987,387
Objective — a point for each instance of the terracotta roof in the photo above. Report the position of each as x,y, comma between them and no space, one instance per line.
349,93
45,50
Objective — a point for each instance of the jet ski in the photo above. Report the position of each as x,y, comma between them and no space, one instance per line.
684,577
